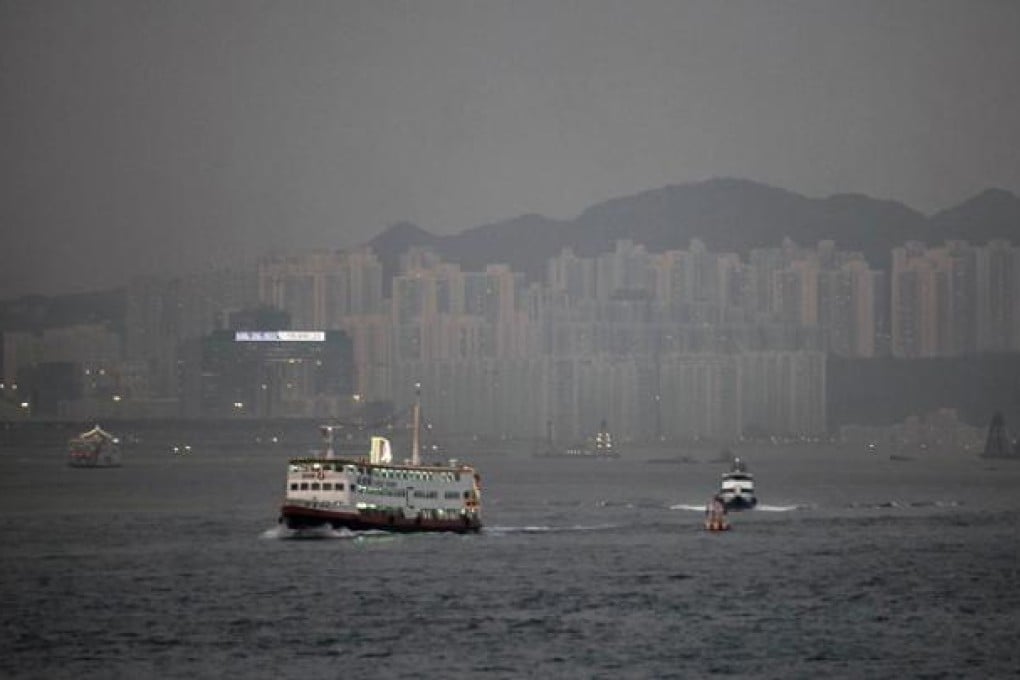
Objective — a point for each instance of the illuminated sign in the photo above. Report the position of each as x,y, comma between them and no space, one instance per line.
279,336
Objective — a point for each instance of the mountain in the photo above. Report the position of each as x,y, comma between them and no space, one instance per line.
733,215
514,242
728,215
992,214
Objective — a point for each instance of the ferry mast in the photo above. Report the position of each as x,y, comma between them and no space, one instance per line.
416,434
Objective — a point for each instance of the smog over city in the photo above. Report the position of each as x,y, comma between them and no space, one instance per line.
545,275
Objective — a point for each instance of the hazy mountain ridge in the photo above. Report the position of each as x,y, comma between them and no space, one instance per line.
516,240
992,214
727,214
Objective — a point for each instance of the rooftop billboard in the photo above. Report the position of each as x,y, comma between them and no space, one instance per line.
279,336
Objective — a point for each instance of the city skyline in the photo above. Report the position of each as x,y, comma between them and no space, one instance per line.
731,344
147,137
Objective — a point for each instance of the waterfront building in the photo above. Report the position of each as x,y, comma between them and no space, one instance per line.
273,374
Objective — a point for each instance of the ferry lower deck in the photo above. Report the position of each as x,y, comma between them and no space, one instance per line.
359,495
299,515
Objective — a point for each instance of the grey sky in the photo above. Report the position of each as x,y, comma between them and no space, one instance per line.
174,134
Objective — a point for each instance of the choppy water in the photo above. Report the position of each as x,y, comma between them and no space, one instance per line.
173,566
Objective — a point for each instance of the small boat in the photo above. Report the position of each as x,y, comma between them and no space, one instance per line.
736,491
715,515
94,448
374,493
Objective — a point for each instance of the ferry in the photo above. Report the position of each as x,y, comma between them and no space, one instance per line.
94,448
736,491
374,493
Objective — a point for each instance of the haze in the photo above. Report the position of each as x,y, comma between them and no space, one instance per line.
159,137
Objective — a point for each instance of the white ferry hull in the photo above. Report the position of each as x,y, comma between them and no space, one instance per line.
739,502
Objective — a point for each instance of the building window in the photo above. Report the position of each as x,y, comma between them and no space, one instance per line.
304,486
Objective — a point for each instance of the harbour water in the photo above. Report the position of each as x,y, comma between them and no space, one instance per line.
173,566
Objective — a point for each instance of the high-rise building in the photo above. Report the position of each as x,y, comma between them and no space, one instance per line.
914,304
998,297
319,289
847,308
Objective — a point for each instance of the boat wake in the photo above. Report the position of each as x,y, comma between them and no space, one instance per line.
628,504
758,508
905,504
282,533
688,506
546,529
779,508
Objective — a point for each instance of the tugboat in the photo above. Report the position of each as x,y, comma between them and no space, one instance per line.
374,493
715,515
736,491
94,448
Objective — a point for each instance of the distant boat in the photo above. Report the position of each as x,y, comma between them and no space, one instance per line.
999,443
736,490
599,446
715,515
94,448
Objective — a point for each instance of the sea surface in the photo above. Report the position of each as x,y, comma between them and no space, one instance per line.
856,565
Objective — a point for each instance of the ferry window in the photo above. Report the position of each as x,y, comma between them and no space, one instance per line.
339,487
315,486
293,486
327,486
467,494
304,486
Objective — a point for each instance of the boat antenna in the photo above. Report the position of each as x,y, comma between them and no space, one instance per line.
327,441
416,434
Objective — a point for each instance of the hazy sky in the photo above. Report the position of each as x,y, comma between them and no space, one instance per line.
145,136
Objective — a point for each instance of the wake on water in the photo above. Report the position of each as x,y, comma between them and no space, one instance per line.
758,508
896,504
282,533
545,529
